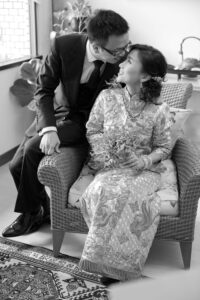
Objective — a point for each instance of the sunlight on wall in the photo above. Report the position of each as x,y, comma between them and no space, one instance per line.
14,30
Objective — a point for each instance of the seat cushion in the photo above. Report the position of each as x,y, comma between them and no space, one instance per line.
77,189
168,191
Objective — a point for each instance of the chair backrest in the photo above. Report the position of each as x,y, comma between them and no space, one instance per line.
176,94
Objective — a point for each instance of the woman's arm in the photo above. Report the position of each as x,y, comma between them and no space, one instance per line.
95,133
161,141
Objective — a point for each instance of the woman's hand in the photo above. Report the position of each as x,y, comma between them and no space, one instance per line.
132,161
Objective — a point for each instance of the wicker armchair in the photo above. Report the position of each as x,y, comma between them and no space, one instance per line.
59,171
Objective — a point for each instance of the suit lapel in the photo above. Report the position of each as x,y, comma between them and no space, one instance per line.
74,69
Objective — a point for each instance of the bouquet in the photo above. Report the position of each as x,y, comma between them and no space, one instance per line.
110,151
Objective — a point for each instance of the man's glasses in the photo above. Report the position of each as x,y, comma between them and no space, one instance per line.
120,51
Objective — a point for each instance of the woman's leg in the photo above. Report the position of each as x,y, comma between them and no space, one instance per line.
122,212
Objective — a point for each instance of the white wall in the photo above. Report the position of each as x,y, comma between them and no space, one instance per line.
160,23
44,26
14,119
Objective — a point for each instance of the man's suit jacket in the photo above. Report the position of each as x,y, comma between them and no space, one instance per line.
65,64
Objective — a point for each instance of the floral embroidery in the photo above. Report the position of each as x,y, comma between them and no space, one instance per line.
121,207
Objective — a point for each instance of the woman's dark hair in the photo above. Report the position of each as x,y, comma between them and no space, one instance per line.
154,64
105,23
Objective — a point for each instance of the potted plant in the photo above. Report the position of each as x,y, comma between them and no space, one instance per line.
72,18
24,87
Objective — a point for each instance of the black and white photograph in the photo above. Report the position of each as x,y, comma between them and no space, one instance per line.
99,150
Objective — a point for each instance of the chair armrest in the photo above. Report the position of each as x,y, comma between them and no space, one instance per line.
59,171
187,159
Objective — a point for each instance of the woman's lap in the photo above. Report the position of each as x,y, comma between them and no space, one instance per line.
121,183
122,212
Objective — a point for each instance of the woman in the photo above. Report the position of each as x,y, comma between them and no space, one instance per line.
129,134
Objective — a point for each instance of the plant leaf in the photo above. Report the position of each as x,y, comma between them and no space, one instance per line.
23,91
26,72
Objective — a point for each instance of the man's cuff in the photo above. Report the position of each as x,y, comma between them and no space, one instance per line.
47,129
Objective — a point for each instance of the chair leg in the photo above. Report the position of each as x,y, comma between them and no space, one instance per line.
58,236
186,251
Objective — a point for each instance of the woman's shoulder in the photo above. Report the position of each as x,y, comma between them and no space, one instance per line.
162,108
158,108
110,92
160,104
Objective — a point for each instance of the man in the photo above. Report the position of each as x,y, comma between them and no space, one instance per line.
82,64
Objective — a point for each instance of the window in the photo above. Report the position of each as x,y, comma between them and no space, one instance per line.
15,30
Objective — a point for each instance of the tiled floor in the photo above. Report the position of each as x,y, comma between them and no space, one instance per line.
164,258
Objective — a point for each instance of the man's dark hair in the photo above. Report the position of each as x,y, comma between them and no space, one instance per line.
105,23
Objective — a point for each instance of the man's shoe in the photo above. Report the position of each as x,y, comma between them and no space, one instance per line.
24,224
107,281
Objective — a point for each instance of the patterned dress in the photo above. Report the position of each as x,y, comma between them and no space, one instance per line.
121,206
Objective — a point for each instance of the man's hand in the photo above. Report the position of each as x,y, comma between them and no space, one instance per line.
50,143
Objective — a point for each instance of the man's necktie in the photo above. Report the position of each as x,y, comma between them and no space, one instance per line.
95,75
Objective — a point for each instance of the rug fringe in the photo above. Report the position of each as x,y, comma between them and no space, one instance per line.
108,271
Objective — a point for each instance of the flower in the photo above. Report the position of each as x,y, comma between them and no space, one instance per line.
112,150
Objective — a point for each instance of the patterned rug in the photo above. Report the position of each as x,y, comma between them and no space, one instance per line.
32,273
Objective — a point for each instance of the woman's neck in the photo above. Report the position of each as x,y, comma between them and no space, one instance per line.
133,89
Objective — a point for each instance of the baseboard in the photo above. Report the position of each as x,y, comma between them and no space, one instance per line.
7,156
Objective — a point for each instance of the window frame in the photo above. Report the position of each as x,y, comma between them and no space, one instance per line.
33,17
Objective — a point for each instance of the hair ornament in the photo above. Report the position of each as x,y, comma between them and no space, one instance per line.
157,78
